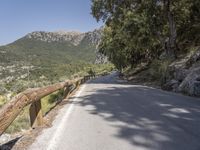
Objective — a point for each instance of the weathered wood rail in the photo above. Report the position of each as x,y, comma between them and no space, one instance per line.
33,97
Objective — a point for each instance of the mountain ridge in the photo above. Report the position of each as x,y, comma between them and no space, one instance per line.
75,37
52,55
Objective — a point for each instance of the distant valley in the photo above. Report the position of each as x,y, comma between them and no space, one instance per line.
48,56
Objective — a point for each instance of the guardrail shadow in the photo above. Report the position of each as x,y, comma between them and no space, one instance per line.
9,145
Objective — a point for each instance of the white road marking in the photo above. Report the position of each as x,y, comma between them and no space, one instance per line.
53,142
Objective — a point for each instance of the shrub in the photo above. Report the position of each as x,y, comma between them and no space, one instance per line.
158,70
3,100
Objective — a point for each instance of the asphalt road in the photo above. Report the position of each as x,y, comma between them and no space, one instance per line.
109,114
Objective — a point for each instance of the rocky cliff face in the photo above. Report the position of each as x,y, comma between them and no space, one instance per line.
185,75
75,38
61,36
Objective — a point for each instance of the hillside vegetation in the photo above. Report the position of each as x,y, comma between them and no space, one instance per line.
42,58
160,37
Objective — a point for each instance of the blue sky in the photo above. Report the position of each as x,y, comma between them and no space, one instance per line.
19,17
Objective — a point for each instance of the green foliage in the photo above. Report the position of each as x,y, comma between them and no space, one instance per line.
102,68
51,100
55,97
38,52
158,70
51,61
3,100
95,68
22,122
91,72
139,31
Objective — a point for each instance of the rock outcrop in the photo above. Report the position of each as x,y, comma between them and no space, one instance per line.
61,36
75,38
184,75
191,84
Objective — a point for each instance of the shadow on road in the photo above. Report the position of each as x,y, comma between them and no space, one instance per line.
9,145
148,118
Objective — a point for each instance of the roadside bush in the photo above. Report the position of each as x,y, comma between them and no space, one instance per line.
22,122
3,100
158,70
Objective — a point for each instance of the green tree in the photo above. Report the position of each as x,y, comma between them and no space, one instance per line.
140,30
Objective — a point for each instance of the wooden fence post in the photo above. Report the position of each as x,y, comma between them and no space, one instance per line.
66,92
77,84
82,81
35,112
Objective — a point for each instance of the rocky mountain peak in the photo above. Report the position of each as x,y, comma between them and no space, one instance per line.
58,36
64,32
73,37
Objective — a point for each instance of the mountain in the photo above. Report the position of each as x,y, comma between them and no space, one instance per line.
48,55
75,38
61,43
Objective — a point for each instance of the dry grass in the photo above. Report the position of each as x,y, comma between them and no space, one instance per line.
22,122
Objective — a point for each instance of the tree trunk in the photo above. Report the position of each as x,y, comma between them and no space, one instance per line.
170,43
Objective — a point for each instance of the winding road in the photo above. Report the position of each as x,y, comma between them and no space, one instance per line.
110,114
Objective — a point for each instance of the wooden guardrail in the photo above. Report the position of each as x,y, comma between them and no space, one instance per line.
33,97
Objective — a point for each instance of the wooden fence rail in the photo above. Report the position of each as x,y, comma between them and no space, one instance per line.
33,97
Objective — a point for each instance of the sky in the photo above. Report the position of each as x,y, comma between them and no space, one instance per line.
19,17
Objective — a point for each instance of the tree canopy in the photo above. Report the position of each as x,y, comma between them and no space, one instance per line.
140,30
